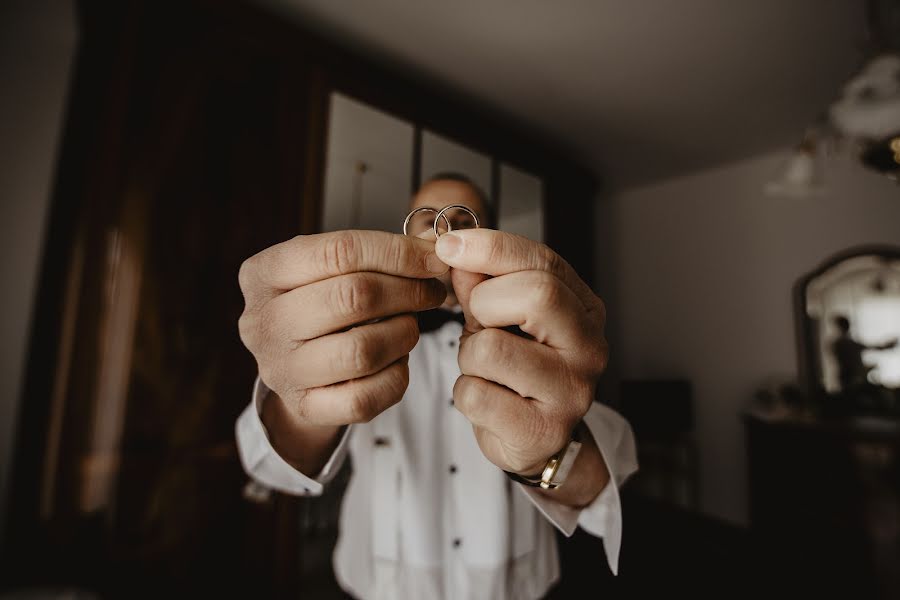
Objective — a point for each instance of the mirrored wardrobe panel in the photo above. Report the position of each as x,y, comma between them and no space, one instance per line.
368,167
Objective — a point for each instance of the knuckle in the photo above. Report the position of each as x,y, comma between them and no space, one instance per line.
363,406
264,266
291,394
421,293
547,294
247,329
296,400
488,346
553,261
269,327
469,394
601,311
462,393
397,383
399,254
603,355
339,252
271,376
301,406
597,356
409,331
360,354
596,315
579,393
369,401
245,273
429,293
355,295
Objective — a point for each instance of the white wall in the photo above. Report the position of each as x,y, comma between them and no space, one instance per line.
697,273
37,47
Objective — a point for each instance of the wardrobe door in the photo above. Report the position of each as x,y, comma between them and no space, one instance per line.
368,167
521,203
442,155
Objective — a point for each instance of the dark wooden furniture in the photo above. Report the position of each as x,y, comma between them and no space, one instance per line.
194,139
661,413
825,503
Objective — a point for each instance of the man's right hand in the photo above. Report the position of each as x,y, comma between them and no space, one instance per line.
327,318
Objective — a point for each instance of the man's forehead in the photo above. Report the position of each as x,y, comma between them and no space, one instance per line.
438,194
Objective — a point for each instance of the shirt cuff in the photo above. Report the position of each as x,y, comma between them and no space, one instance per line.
266,466
603,516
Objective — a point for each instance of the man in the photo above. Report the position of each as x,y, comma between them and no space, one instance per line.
429,512
853,372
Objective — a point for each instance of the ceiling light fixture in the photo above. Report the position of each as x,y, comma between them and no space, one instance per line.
866,114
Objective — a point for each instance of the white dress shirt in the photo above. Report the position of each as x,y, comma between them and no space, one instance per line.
425,514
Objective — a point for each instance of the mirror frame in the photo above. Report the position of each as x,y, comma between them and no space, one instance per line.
809,367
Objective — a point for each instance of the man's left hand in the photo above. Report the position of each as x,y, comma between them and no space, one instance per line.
523,396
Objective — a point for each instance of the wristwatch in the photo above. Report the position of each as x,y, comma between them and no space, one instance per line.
557,468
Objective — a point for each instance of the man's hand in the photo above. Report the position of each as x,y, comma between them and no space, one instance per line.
523,396
327,318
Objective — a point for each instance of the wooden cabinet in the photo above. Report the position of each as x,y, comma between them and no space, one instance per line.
825,503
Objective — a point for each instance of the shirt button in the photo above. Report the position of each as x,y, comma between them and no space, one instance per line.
457,542
452,343
451,401
382,441
452,469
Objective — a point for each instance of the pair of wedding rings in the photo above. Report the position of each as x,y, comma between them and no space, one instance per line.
437,219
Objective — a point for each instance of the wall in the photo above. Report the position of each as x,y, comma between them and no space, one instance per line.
697,273
37,47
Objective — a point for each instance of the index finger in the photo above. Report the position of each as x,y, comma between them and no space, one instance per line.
496,253
307,259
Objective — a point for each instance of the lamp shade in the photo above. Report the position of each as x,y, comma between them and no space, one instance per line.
869,107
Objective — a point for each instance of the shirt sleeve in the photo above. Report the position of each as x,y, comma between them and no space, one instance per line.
603,516
265,466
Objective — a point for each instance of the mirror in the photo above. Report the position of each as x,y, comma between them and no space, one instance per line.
850,332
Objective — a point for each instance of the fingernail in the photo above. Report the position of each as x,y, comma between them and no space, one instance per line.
449,245
434,264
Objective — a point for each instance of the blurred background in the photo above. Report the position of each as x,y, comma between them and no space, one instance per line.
724,175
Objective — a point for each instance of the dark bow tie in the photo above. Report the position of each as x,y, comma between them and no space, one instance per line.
434,319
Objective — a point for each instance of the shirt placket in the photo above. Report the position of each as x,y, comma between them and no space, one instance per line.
449,340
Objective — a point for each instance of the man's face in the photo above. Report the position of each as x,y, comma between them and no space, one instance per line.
436,195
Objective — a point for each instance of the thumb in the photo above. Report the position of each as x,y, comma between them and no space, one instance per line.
463,282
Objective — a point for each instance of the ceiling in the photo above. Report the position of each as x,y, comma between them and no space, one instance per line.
637,91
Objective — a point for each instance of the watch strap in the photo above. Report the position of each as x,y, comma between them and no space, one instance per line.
557,469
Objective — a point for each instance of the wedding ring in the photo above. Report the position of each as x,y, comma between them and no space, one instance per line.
426,209
450,227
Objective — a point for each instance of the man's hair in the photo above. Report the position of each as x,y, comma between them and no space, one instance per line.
490,217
